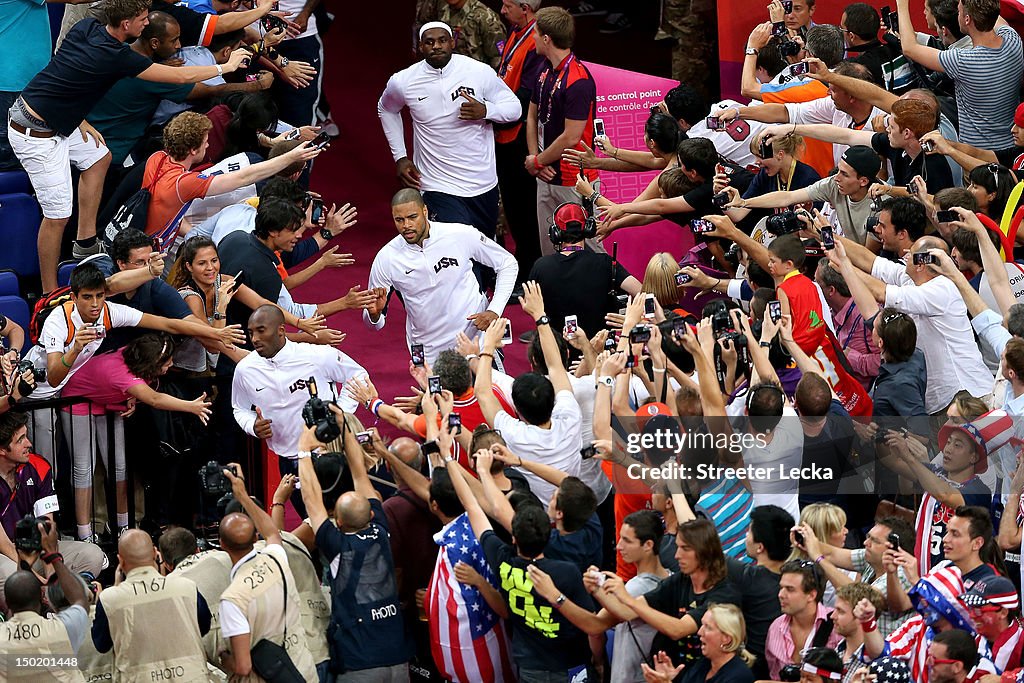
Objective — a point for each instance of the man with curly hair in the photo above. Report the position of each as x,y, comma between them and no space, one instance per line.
173,186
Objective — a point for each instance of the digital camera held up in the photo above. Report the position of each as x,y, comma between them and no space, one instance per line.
784,223
317,413
212,479
26,533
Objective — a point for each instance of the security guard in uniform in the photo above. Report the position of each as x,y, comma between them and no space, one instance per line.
262,601
30,634
170,610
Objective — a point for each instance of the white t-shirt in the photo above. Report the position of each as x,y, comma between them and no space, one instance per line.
785,449
233,621
558,447
55,334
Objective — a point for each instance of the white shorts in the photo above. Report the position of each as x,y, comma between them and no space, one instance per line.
48,164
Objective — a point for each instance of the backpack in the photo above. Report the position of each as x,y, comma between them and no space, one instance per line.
58,298
134,213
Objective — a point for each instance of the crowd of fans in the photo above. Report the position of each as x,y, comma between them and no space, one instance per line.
793,454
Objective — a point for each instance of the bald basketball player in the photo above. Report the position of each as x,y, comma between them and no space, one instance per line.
174,613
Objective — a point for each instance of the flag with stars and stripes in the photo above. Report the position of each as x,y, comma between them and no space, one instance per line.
467,638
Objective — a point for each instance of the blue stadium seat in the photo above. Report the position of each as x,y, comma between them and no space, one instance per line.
9,283
15,308
64,272
19,227
15,182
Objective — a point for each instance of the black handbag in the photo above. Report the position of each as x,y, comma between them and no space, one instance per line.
270,660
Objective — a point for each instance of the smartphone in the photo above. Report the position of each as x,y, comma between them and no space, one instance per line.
321,140
434,384
679,327
922,258
928,145
787,6
701,226
588,452
641,334
765,149
894,540
682,279
799,69
611,343
455,420
779,29
714,123
946,216
571,325
828,237
798,537
775,311
293,134
623,300
507,337
316,214
417,355
649,306
599,128
156,245
913,188
270,22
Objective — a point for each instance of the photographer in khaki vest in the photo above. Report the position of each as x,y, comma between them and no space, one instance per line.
154,623
28,633
262,601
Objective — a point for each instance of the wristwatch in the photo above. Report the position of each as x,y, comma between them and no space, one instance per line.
284,62
326,234
217,315
543,320
302,455
606,380
750,51
560,600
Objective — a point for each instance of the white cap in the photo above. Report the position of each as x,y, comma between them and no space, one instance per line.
435,24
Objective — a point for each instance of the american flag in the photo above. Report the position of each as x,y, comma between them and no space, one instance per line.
467,639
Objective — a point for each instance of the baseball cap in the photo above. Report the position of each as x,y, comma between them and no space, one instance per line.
863,160
570,216
992,590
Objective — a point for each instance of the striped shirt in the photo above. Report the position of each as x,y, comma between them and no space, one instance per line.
987,81
910,643
728,504
779,647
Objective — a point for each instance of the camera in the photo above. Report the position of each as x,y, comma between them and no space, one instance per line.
789,48
891,19
714,123
364,439
418,359
26,533
99,329
787,6
799,69
946,216
39,374
611,343
455,421
701,226
928,145
779,29
922,258
317,413
913,188
641,334
720,199
212,479
790,672
682,279
828,237
721,324
784,223
588,452
881,435
871,224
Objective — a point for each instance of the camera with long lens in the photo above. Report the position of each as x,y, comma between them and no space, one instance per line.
784,223
26,533
38,374
317,414
722,326
789,48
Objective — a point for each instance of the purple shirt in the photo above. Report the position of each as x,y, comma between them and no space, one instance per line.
855,339
33,493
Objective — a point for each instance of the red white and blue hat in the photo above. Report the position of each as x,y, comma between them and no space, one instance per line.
989,432
992,590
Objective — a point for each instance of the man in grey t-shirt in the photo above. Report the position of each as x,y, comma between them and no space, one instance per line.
846,192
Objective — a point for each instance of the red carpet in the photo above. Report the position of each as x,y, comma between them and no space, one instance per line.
360,57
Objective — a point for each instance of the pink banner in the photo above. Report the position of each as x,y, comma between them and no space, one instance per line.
624,101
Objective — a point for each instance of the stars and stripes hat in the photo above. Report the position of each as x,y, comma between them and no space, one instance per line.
940,591
989,432
993,590
890,670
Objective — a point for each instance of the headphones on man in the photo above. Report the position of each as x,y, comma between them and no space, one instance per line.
765,386
571,218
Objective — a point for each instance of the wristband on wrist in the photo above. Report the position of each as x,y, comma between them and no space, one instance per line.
818,559
375,406
484,353
274,505
536,162
64,362
869,626
220,70
50,558
472,356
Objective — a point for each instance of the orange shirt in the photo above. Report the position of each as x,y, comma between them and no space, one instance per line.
172,188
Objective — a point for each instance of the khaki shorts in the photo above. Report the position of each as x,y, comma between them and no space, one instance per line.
48,164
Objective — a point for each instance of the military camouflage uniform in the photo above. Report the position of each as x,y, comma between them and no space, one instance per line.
478,29
693,26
